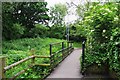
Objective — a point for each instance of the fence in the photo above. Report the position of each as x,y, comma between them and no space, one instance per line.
55,58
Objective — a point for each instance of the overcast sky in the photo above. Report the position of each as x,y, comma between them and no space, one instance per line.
52,2
69,18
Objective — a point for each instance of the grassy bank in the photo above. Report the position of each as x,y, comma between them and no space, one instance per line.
16,50
77,44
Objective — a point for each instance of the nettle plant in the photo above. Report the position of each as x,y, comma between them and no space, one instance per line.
103,32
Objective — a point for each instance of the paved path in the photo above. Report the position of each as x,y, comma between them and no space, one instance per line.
69,68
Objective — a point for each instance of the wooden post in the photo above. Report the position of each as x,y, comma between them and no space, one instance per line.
68,44
83,54
71,44
50,49
51,56
62,50
2,65
33,53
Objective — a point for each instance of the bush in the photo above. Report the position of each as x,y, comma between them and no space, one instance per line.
14,31
40,30
103,35
78,32
57,32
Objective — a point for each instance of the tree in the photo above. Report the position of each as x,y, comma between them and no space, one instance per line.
26,14
29,13
57,13
10,29
82,8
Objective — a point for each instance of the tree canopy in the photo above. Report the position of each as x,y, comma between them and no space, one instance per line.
26,14
57,13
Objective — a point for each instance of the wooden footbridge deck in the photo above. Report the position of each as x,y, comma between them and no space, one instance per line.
69,68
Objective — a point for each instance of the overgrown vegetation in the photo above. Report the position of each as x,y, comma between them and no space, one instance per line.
103,31
19,18
16,50
99,24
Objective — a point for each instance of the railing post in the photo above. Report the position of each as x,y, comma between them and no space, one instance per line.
2,65
68,44
83,53
62,50
51,64
72,44
32,53
71,47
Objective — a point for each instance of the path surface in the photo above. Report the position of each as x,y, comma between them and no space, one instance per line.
69,68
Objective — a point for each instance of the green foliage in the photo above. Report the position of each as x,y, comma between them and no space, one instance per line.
78,32
57,14
57,32
15,31
103,40
82,8
21,17
16,50
77,44
40,30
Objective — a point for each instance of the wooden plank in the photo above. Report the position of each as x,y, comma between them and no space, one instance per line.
56,43
36,56
21,72
55,53
2,65
62,50
52,55
17,63
43,64
66,48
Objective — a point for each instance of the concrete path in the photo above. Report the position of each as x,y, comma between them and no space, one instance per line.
69,68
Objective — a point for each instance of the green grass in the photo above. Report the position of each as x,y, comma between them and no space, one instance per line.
22,47
16,50
77,44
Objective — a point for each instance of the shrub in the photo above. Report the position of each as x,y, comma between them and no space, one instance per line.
14,31
40,30
57,32
103,35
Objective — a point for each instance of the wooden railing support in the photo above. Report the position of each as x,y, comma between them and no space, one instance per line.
51,56
63,50
2,65
33,54
67,44
83,54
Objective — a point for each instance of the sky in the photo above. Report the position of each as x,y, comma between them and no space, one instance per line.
52,2
68,18
71,17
